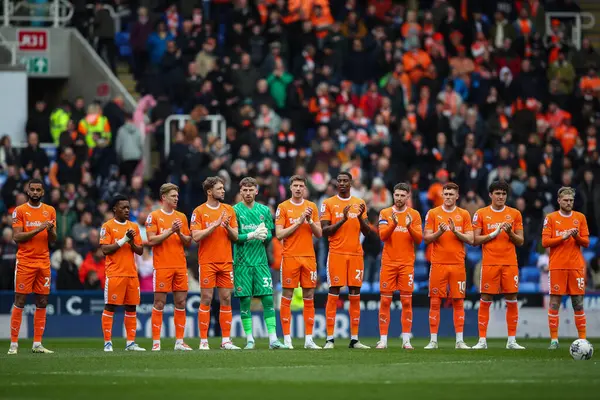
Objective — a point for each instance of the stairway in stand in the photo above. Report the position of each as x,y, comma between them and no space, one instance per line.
127,79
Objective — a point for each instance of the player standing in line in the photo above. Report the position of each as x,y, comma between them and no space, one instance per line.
498,229
214,228
343,218
251,271
399,230
33,228
564,232
119,240
447,228
168,234
295,224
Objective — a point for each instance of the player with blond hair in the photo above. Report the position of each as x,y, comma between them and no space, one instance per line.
565,231
295,225
214,227
168,235
447,229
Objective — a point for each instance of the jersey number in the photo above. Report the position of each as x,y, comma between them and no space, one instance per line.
410,280
516,278
359,275
267,282
581,283
313,276
46,282
462,286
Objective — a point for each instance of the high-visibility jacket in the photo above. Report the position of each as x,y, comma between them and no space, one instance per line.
91,125
59,119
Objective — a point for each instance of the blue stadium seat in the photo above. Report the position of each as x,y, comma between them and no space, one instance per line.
474,256
593,241
53,276
421,273
366,288
423,198
529,287
533,257
588,255
420,256
530,274
122,43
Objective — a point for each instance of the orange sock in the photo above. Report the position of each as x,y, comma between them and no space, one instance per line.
225,321
203,321
384,313
459,315
354,312
512,317
179,320
407,313
107,324
15,323
330,311
483,317
309,316
434,314
157,320
553,323
39,324
580,323
130,325
285,314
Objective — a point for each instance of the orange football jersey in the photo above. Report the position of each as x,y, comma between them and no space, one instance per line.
299,243
121,262
170,253
500,250
567,254
34,252
347,239
216,248
399,245
448,249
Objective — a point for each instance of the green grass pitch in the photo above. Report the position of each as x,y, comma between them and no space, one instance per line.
81,370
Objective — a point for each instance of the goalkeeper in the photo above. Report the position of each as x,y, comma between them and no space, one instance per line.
251,272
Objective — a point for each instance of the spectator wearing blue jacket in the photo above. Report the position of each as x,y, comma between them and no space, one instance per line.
157,43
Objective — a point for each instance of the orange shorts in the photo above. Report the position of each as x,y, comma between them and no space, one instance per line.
216,275
345,270
496,279
442,276
170,280
396,277
122,290
32,279
296,270
567,282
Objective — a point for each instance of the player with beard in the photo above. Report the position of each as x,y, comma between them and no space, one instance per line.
214,227
33,229
343,218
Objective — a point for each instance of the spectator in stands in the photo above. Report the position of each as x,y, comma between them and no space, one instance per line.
129,147
8,154
589,192
34,158
145,269
81,230
67,261
95,127
543,263
562,72
8,257
104,32
74,139
37,121
157,43
65,219
141,30
245,76
206,60
378,197
92,269
67,170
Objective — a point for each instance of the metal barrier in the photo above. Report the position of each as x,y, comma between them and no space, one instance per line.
217,127
579,25
116,15
58,12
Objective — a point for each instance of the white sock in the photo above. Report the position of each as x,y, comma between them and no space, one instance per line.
178,341
329,337
225,340
459,337
483,340
202,341
308,338
36,344
405,337
14,344
249,338
512,339
155,342
129,342
434,337
273,337
287,338
354,337
383,338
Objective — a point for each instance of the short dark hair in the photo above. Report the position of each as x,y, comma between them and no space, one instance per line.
299,178
35,181
499,185
346,173
450,186
402,186
248,182
211,182
116,199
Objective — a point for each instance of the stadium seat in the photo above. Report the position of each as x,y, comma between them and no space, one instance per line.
588,255
421,273
593,241
533,257
529,287
474,256
366,287
122,43
420,256
423,198
530,274
53,276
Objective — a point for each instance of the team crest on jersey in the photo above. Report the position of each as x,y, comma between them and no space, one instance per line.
434,290
45,213
508,217
486,286
239,289
21,286
556,288
161,285
336,279
114,296
384,285
458,218
575,222
262,217
288,281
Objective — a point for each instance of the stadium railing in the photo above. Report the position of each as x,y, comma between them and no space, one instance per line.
576,34
58,12
11,47
217,122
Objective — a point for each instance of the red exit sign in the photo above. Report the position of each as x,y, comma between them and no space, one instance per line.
32,39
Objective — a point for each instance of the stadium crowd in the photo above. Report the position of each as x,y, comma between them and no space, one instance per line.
420,91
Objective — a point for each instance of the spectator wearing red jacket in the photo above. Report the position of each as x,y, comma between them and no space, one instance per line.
93,263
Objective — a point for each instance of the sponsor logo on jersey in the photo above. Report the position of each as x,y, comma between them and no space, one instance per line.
401,229
33,224
350,215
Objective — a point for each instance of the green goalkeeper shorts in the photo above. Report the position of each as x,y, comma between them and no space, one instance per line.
252,281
